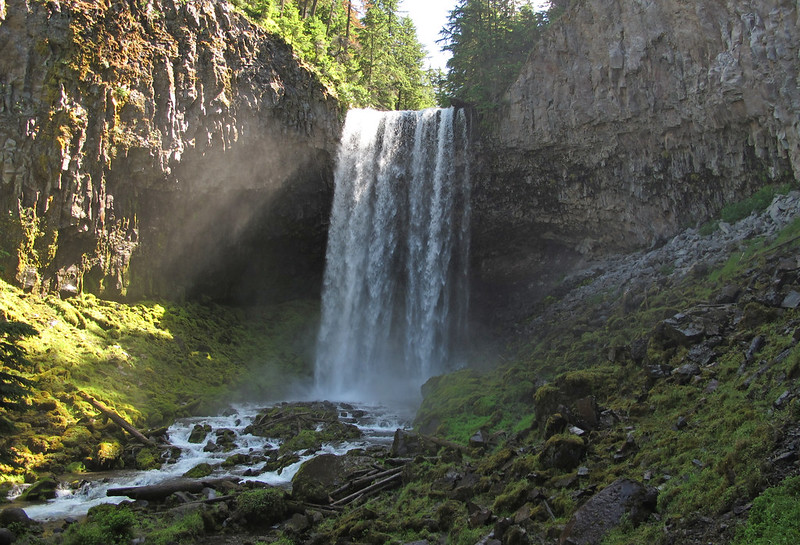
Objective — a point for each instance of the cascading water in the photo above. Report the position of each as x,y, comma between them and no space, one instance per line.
394,304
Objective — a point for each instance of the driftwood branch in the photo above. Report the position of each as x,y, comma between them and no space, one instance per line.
118,420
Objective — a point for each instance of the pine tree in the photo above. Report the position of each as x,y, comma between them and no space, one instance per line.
489,41
13,387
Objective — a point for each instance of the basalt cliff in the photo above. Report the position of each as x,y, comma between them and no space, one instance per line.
171,148
160,147
629,122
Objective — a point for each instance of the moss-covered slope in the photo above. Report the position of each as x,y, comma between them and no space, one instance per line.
151,362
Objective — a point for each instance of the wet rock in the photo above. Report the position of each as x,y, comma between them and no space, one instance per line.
299,523
605,510
44,489
199,471
199,433
7,537
658,371
478,516
226,439
608,418
189,127
639,350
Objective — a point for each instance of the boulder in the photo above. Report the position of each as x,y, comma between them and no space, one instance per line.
587,412
199,433
14,515
604,511
563,451
685,372
318,477
682,329
7,537
44,489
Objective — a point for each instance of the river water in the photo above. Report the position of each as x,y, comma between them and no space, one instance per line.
377,424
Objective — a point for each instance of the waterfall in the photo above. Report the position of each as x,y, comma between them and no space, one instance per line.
395,294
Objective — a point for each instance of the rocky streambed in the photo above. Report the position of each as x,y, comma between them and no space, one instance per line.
212,460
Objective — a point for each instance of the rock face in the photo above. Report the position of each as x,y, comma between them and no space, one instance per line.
161,147
630,121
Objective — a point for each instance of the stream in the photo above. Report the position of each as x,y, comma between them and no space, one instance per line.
377,424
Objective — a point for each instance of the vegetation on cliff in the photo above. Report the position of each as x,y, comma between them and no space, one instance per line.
368,52
489,42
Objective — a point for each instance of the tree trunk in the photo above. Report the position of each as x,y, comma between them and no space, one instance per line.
330,19
121,422
155,492
347,31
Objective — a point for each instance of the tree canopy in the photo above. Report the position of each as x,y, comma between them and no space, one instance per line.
362,49
489,41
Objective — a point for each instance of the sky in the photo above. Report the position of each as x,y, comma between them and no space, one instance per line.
429,17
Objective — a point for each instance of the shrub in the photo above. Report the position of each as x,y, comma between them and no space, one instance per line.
105,524
775,516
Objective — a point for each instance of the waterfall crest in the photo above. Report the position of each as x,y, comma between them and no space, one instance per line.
394,302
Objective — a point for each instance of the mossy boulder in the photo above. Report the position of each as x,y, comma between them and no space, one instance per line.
108,455
262,506
563,451
147,458
44,489
199,433
199,471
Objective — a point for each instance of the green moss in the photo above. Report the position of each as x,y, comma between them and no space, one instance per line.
199,471
262,506
513,497
151,362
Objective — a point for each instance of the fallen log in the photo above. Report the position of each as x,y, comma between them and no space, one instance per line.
155,492
361,482
379,485
117,419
